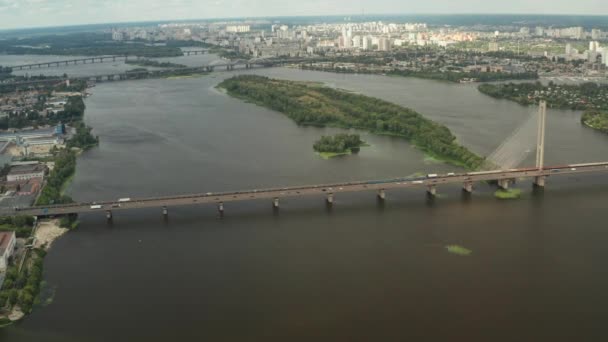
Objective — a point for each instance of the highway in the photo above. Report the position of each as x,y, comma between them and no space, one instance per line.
430,182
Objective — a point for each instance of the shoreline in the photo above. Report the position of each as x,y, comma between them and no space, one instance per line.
47,232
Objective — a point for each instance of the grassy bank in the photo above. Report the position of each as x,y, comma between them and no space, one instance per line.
595,119
308,104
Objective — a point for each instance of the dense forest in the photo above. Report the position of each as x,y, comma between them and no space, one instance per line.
576,97
83,44
311,104
5,73
156,64
339,143
434,74
596,119
23,287
65,165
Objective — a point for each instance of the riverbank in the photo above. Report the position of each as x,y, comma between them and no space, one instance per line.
437,75
47,232
23,284
597,120
327,107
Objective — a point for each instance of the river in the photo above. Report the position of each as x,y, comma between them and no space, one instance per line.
362,271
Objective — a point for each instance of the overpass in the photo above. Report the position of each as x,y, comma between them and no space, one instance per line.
504,178
87,60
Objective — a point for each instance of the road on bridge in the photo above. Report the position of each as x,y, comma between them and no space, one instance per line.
328,190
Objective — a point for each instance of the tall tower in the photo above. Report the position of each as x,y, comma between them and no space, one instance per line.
540,145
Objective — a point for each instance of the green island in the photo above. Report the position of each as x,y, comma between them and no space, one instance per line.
338,145
458,250
156,64
590,97
311,104
508,194
596,119
84,44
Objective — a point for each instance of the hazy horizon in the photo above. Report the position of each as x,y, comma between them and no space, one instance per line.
15,14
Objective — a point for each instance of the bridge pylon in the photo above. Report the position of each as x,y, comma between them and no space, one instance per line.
540,142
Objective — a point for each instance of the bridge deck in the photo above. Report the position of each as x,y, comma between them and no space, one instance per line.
93,59
308,190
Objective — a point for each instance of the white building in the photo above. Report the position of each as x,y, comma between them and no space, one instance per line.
25,172
117,35
7,247
594,46
366,43
238,28
384,44
357,42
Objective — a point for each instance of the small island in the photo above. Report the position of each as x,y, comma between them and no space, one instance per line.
338,145
596,119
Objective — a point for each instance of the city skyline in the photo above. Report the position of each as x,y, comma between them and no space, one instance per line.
45,13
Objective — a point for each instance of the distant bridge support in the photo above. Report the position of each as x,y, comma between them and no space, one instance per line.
432,190
330,198
504,184
468,187
109,215
275,203
539,181
381,194
165,211
220,208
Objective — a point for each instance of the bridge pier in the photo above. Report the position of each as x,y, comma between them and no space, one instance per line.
330,198
381,194
165,211
275,203
432,190
109,215
468,187
220,208
539,181
504,184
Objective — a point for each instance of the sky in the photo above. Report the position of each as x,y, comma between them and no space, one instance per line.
42,13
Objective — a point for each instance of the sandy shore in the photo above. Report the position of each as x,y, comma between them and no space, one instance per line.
47,232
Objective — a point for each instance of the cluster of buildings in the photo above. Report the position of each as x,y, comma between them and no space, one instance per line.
595,54
264,39
8,241
20,108
577,32
22,183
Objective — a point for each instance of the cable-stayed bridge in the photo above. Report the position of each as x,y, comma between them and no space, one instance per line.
506,157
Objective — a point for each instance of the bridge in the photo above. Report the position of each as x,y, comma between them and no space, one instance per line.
88,60
504,178
134,75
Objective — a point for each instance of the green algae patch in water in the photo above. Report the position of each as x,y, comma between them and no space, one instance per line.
509,194
459,250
